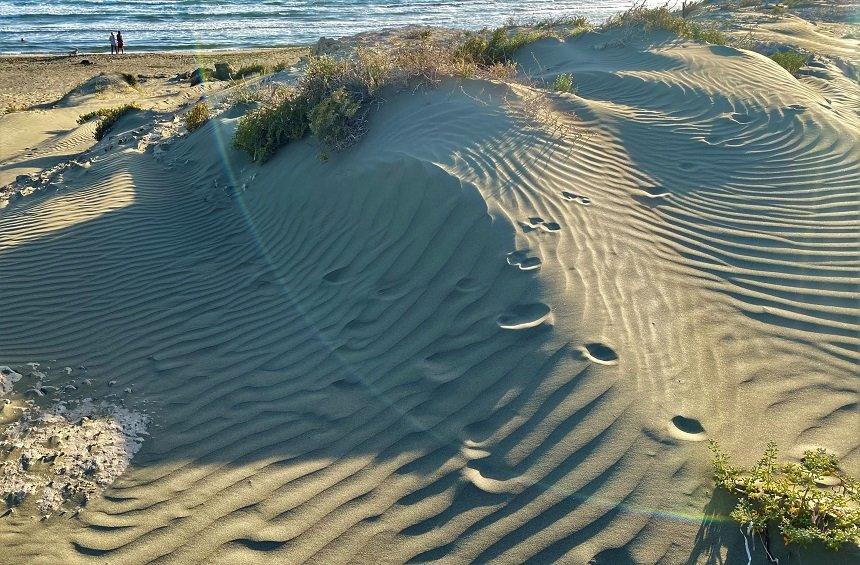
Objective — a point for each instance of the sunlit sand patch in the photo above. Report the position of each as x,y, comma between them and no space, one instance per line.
72,209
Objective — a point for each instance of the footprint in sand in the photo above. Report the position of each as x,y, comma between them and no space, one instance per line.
550,227
522,261
687,429
524,316
335,276
531,224
599,353
467,284
572,197
741,118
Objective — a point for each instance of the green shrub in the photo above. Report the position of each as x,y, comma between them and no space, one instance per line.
334,96
262,132
109,116
810,501
197,116
663,18
499,47
336,120
564,83
331,100
791,61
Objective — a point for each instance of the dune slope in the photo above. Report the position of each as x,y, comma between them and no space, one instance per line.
498,329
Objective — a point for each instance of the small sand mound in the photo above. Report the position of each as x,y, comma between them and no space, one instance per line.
103,86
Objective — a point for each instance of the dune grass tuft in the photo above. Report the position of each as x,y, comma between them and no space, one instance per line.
109,116
811,501
665,19
564,83
498,48
197,116
334,97
792,61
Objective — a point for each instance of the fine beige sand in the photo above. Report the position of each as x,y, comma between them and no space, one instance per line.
496,330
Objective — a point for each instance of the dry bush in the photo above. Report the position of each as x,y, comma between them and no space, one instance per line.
197,116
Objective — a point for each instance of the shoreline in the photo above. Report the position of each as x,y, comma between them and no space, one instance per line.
36,80
62,55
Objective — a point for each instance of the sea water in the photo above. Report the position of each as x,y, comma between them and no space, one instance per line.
59,26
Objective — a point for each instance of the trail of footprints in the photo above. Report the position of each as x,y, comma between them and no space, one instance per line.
525,316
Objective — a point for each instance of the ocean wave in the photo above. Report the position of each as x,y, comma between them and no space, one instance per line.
185,24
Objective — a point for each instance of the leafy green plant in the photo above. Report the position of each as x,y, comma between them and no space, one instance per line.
564,83
197,116
109,116
810,501
791,61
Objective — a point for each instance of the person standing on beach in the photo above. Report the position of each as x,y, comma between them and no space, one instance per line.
119,43
112,44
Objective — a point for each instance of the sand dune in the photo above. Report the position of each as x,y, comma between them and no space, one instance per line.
487,333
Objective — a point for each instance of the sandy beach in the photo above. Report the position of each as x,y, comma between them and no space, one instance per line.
497,329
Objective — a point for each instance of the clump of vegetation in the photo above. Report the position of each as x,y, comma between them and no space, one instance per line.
109,116
282,120
495,49
560,27
810,501
131,80
248,70
334,121
564,83
200,75
663,18
791,61
569,22
197,116
333,98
